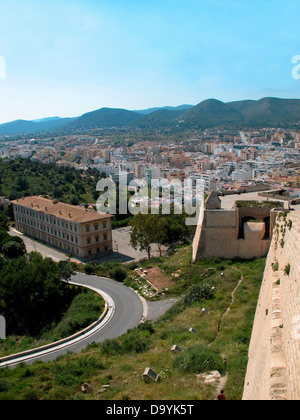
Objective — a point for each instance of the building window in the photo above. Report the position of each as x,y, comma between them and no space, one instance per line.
87,228
88,241
96,227
97,238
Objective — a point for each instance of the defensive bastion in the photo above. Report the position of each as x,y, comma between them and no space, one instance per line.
243,232
274,354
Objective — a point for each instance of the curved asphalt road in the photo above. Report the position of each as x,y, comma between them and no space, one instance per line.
128,311
125,312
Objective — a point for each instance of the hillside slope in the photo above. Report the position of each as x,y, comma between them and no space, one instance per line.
208,113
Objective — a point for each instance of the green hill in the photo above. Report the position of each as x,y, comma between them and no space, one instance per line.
27,127
269,110
168,108
159,118
209,113
105,117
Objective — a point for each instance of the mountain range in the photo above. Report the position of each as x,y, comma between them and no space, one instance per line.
209,113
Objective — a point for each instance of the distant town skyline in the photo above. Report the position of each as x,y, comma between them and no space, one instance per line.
69,57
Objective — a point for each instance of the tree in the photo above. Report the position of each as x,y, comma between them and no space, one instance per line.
3,220
58,194
143,232
3,234
22,184
32,295
13,249
75,201
160,233
66,271
9,238
178,230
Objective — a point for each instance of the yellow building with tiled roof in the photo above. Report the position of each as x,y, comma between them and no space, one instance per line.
81,232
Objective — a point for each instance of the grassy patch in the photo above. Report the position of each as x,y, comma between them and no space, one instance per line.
120,363
259,204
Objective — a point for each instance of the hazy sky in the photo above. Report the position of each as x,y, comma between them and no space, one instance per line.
69,57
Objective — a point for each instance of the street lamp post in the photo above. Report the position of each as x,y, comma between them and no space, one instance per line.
117,246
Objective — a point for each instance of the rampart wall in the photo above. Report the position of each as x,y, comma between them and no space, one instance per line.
274,354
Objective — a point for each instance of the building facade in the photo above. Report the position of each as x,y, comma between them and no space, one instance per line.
82,232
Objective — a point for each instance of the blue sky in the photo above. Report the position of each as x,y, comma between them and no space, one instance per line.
69,57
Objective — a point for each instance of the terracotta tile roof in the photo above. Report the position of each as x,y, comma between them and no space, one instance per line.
61,210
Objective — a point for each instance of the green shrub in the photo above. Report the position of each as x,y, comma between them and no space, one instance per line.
72,373
135,343
198,293
31,395
199,359
146,326
111,347
287,269
132,266
118,274
89,269
85,309
5,385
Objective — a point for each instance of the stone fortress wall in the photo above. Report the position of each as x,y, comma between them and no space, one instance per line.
237,233
274,354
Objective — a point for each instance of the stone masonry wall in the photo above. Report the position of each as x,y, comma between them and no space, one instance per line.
217,235
274,354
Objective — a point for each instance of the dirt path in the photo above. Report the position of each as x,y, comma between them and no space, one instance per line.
223,380
232,302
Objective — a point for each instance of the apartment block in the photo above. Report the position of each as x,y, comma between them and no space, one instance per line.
82,232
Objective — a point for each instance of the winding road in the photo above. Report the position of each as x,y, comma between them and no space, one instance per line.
124,310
